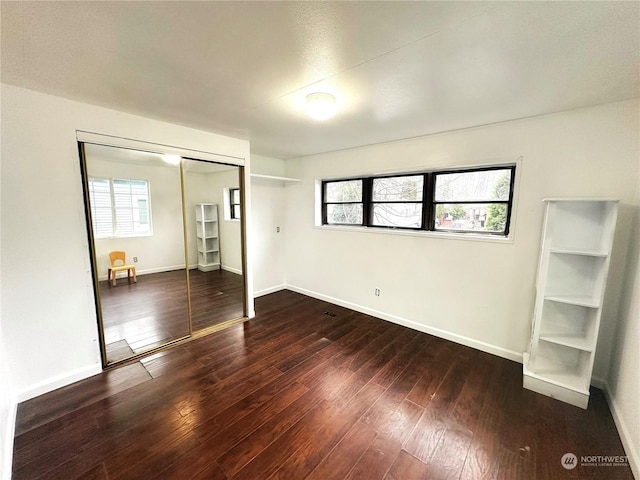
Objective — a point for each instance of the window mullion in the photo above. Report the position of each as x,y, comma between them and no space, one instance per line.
114,220
324,202
429,205
367,204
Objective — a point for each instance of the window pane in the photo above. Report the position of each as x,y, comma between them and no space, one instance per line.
348,213
143,211
131,202
489,217
235,196
469,186
344,191
398,189
100,203
408,215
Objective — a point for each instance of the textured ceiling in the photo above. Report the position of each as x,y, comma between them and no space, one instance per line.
398,69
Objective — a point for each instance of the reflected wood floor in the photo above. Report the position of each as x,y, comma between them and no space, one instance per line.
143,315
296,393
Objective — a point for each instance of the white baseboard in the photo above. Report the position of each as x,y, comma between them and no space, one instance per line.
436,332
148,271
231,269
267,291
598,382
7,455
59,381
632,451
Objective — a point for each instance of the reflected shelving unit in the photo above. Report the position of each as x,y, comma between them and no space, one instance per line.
207,238
572,276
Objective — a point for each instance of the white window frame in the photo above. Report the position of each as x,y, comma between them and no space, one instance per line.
125,220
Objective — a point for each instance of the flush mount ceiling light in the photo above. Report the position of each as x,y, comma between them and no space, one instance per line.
320,105
172,159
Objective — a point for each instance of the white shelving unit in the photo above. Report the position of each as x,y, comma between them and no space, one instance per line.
572,276
207,238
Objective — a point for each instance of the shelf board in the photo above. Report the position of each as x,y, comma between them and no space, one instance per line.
581,199
557,374
578,342
581,300
586,253
274,179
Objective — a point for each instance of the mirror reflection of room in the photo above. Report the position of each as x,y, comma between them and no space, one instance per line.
214,240
136,209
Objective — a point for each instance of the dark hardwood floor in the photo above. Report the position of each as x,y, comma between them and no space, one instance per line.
296,393
144,315
216,297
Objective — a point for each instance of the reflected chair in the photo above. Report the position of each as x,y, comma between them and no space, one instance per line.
117,260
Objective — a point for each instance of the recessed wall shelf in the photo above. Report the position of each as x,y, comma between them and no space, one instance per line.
572,275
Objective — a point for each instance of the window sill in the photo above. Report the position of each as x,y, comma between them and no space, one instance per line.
120,237
415,233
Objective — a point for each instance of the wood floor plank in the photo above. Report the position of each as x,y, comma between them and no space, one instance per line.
482,462
407,466
320,441
273,416
345,454
198,462
426,436
296,393
450,454
376,460
41,410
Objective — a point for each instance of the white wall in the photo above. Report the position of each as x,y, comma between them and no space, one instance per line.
269,207
475,292
7,413
267,165
624,378
48,317
164,249
230,230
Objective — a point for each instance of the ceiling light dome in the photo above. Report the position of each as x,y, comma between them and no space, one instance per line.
321,105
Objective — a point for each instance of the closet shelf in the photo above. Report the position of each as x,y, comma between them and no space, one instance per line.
557,374
579,342
274,179
581,300
586,253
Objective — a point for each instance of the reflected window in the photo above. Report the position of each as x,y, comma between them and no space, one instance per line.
234,203
119,207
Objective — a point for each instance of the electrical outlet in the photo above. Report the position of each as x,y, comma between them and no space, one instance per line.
277,229
135,259
377,292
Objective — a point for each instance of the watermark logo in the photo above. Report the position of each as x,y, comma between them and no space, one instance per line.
569,461
604,461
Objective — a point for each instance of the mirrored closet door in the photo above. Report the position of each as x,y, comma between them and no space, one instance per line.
214,241
166,247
